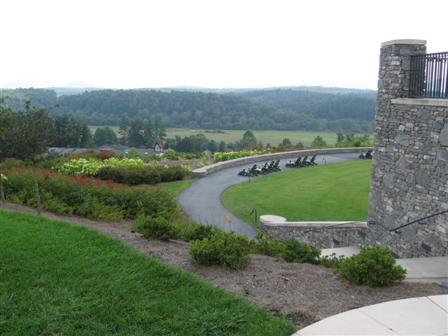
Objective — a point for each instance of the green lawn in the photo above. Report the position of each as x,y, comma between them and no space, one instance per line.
56,279
328,192
175,188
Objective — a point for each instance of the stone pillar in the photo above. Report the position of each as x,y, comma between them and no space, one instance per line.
393,82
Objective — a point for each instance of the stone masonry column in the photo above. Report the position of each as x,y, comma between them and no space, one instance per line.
393,82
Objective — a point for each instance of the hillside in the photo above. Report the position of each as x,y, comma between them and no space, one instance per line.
317,109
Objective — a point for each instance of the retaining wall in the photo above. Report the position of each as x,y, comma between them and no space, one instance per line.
318,234
207,170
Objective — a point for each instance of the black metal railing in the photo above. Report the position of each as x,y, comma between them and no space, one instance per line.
429,76
419,220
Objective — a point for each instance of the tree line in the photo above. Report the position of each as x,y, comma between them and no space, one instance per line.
282,109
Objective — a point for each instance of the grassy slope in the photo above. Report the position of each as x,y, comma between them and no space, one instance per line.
330,192
175,188
59,279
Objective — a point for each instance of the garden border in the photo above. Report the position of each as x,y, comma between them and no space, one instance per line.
213,168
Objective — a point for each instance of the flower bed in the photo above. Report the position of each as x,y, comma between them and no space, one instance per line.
123,170
87,197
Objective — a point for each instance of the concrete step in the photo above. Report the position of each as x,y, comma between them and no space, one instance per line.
428,269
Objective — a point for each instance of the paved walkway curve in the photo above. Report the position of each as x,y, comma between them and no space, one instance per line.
202,200
416,316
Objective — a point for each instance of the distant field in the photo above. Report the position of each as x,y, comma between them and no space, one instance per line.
338,192
267,137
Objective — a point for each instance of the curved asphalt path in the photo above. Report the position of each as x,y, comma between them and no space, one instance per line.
202,200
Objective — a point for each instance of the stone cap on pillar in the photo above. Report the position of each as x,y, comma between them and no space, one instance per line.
403,41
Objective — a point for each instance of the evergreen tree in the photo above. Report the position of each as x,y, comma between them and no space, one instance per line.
249,140
318,142
104,136
136,137
285,143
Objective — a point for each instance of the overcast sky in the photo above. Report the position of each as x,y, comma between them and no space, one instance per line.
208,43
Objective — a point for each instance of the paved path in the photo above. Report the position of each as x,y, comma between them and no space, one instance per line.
415,316
202,200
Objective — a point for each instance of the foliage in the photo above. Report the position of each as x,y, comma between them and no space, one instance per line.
280,109
88,197
92,166
318,142
266,245
155,228
221,248
285,143
24,135
79,282
151,174
249,140
373,267
295,251
199,232
225,156
69,132
353,140
105,136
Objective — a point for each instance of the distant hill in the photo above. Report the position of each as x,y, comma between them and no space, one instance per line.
295,108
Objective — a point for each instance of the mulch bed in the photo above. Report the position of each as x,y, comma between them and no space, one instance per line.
305,293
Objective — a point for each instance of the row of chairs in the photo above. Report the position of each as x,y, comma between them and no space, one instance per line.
367,155
302,162
273,166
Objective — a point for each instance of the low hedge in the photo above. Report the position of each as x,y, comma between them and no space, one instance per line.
373,267
221,248
87,197
147,175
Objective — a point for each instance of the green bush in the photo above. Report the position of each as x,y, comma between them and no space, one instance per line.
221,248
199,232
295,251
12,163
148,175
373,267
265,245
331,261
155,228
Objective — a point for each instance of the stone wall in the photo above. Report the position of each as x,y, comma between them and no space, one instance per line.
213,168
410,164
317,234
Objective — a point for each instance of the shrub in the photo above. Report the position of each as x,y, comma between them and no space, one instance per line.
295,251
88,197
155,228
373,267
331,261
265,245
221,248
12,163
199,232
225,156
170,154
